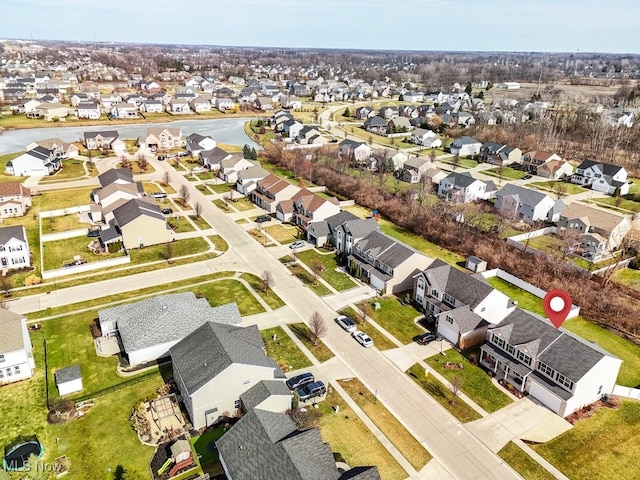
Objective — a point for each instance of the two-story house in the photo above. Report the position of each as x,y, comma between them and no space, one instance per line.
414,168
309,207
499,154
36,162
16,356
385,263
14,248
532,160
463,188
101,139
425,138
558,368
60,148
15,199
601,177
196,143
272,190
462,305
354,151
465,146
526,204
162,138
377,125
88,110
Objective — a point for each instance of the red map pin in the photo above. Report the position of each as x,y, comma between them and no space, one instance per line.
557,305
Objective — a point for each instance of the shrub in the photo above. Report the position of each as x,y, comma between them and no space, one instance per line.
32,280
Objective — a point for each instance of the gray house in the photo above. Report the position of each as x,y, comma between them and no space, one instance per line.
214,365
527,205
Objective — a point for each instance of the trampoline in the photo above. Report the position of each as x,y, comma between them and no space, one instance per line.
16,456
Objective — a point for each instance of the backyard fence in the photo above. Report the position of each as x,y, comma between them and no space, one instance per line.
85,267
627,392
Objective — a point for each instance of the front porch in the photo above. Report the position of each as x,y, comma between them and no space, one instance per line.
506,370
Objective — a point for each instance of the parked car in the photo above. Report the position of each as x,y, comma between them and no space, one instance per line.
167,211
425,338
93,232
197,169
312,390
298,244
299,381
362,338
527,177
346,323
161,158
183,154
263,218
159,195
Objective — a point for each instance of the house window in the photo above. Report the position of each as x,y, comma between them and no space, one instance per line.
483,309
562,380
497,341
236,404
448,299
449,320
16,369
599,389
434,293
246,381
1,374
524,358
546,369
1,358
8,373
511,349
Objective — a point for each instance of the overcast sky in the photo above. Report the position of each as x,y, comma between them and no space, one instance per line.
468,25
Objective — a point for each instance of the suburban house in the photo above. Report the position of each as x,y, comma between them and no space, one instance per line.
528,205
60,148
601,177
248,179
136,223
535,158
15,199
149,328
383,262
499,154
463,188
224,103
598,230
558,368
272,190
212,158
88,110
465,146
37,162
323,232
385,158
197,143
179,106
377,125
229,167
124,110
267,441
215,363
352,150
152,106
117,192
100,140
51,111
200,104
309,207
16,356
555,170
414,168
122,176
14,248
162,138
463,305
425,138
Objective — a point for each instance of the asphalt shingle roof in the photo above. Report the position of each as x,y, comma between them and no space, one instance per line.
263,390
467,289
135,208
15,231
114,175
68,374
526,196
11,338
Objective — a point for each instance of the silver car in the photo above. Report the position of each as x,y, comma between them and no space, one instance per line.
346,323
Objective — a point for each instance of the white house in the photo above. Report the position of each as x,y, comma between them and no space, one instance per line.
37,162
425,138
463,305
224,103
15,199
150,327
16,357
463,188
88,110
197,143
558,368
14,248
528,205
465,146
229,167
359,151
602,177
68,380
215,364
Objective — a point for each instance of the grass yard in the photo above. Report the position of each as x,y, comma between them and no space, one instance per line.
395,318
283,234
338,280
526,300
463,163
202,445
222,205
607,445
320,351
270,297
477,384
57,199
180,224
260,237
200,222
219,243
551,186
228,290
283,350
377,139
522,463
399,436
307,279
243,204
380,340
4,159
151,253
625,202
545,243
508,173
63,223
71,170
349,437
59,251
442,395
220,187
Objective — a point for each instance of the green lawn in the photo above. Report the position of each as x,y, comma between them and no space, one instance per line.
380,340
59,251
463,163
522,463
66,198
220,187
62,223
243,204
526,300
200,222
151,253
283,350
508,173
399,436
307,279
338,280
270,297
395,318
550,186
442,395
225,291
477,384
607,445
353,441
625,202
201,444
320,350
180,224
545,243
71,170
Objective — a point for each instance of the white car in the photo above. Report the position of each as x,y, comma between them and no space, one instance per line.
298,244
362,338
347,324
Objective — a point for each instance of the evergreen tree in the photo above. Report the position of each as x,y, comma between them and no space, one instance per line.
468,88
347,112
253,155
246,151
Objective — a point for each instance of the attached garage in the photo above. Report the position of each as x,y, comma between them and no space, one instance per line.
553,402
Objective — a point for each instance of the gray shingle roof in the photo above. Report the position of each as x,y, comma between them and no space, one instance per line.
103,133
526,196
263,390
11,328
464,140
115,174
467,289
211,348
606,168
269,443
463,179
15,231
359,228
466,320
135,208
361,473
165,318
214,156
68,374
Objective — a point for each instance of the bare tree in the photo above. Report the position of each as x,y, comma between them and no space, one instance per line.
559,188
197,210
142,161
317,326
166,178
183,194
267,281
168,252
456,385
455,161
317,268
124,161
365,310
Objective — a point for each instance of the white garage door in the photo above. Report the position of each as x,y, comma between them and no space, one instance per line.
546,397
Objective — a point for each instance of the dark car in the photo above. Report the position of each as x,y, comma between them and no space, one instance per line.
161,158
93,232
425,338
167,211
527,177
301,380
311,390
263,218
